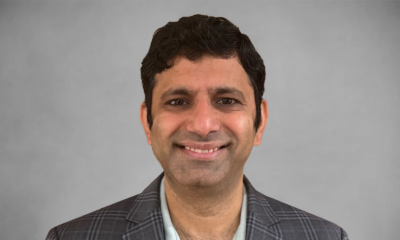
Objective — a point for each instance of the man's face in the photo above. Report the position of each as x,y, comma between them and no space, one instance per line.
203,114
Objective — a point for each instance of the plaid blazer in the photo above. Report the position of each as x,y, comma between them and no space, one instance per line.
139,218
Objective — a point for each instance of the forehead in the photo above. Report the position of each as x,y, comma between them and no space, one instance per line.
204,73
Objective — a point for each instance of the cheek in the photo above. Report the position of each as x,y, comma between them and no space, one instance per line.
241,125
164,125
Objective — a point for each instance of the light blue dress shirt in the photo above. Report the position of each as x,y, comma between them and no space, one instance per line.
169,229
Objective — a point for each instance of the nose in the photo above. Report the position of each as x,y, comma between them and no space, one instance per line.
203,120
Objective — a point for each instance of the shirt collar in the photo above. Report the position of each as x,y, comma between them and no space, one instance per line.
170,231
145,218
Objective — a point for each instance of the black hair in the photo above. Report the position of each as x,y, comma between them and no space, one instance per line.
194,37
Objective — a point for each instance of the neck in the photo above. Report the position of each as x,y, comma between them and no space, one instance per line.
206,212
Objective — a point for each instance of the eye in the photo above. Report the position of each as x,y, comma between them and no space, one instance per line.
227,101
177,102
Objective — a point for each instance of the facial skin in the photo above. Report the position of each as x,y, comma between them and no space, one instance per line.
207,104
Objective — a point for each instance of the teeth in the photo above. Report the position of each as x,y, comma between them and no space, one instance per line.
201,151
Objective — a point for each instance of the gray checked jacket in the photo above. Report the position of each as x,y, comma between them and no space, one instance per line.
139,218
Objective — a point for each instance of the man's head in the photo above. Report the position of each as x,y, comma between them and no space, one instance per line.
194,37
200,113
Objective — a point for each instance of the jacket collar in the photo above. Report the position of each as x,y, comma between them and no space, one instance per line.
146,202
261,218
145,219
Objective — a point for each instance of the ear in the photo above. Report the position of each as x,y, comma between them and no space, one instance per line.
263,123
145,124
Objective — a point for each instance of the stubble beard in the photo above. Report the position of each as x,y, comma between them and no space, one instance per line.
201,179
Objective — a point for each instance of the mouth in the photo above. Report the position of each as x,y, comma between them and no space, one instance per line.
202,150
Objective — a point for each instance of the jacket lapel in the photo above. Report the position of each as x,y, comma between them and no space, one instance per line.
144,218
261,219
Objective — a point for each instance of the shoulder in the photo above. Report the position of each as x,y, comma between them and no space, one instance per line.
109,220
294,222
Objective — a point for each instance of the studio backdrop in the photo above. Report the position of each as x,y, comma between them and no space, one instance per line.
71,141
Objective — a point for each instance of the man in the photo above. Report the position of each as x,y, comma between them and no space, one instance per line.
203,112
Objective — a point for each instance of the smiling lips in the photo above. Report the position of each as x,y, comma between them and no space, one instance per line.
202,151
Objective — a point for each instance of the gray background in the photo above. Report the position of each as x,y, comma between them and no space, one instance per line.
71,140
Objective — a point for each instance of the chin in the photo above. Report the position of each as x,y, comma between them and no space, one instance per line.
199,178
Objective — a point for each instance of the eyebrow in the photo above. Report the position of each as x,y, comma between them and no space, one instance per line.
229,90
182,91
